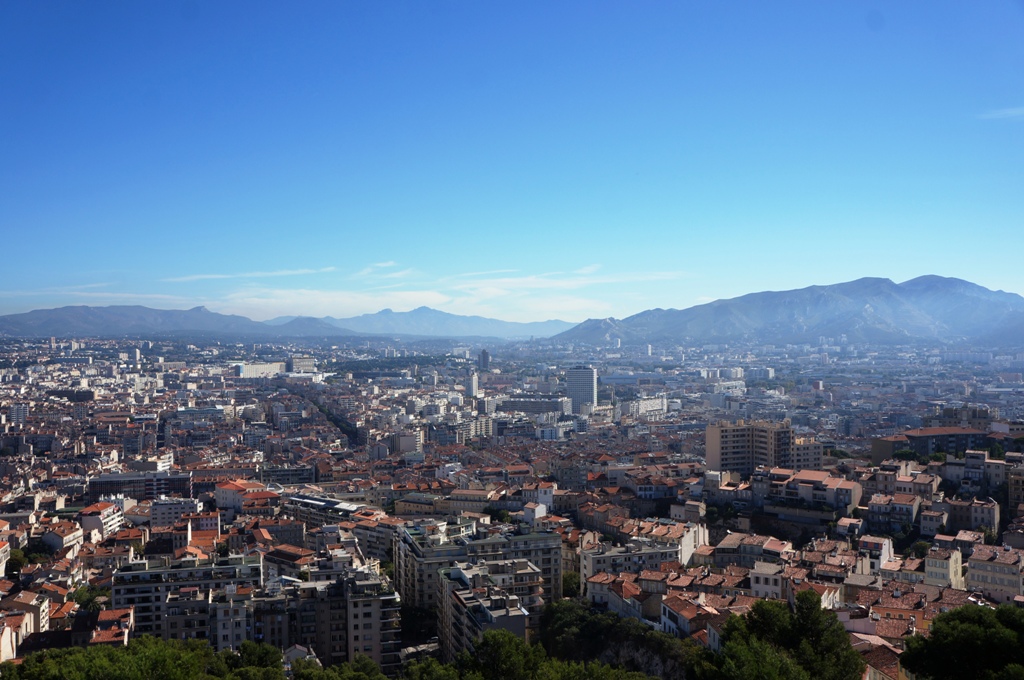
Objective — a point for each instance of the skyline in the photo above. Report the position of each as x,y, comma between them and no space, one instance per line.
571,161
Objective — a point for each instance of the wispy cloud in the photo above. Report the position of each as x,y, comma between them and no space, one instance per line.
565,295
376,266
265,303
63,295
589,269
104,295
996,114
470,275
404,274
560,281
249,275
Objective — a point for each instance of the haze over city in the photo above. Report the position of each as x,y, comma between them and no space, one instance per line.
516,161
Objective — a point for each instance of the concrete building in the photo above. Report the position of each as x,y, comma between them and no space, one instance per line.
471,602
634,557
300,363
943,568
146,584
422,549
536,403
996,571
744,446
581,388
167,511
106,518
260,370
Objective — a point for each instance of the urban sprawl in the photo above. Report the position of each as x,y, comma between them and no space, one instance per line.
398,499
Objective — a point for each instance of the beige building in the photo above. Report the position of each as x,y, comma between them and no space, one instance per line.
148,584
421,550
996,571
744,446
943,568
470,603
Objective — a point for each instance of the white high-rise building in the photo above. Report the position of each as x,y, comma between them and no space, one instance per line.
581,388
17,414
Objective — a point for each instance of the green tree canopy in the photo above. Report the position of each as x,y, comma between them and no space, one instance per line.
970,642
571,584
773,641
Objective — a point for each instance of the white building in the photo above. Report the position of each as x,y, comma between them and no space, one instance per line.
166,511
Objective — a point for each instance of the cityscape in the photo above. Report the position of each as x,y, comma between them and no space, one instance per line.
231,491
467,341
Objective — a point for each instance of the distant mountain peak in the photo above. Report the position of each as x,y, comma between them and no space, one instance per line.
426,321
870,309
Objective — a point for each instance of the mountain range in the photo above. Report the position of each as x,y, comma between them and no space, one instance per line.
432,322
121,320
926,309
876,310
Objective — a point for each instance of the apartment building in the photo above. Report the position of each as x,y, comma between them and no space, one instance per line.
166,511
147,584
969,514
744,446
141,485
634,557
105,518
422,549
943,568
996,571
470,602
581,389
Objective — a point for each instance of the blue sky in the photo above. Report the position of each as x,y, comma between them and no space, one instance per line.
521,160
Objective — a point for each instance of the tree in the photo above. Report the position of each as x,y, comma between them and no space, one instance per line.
920,549
755,659
824,648
905,454
429,669
15,563
969,642
502,655
360,668
260,655
772,641
571,584
991,537
498,516
88,597
148,657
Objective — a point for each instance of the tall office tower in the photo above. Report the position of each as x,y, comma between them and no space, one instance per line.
581,388
17,414
743,446
484,362
472,385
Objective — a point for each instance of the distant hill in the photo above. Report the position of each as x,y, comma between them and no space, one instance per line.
928,308
136,320
123,320
432,322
